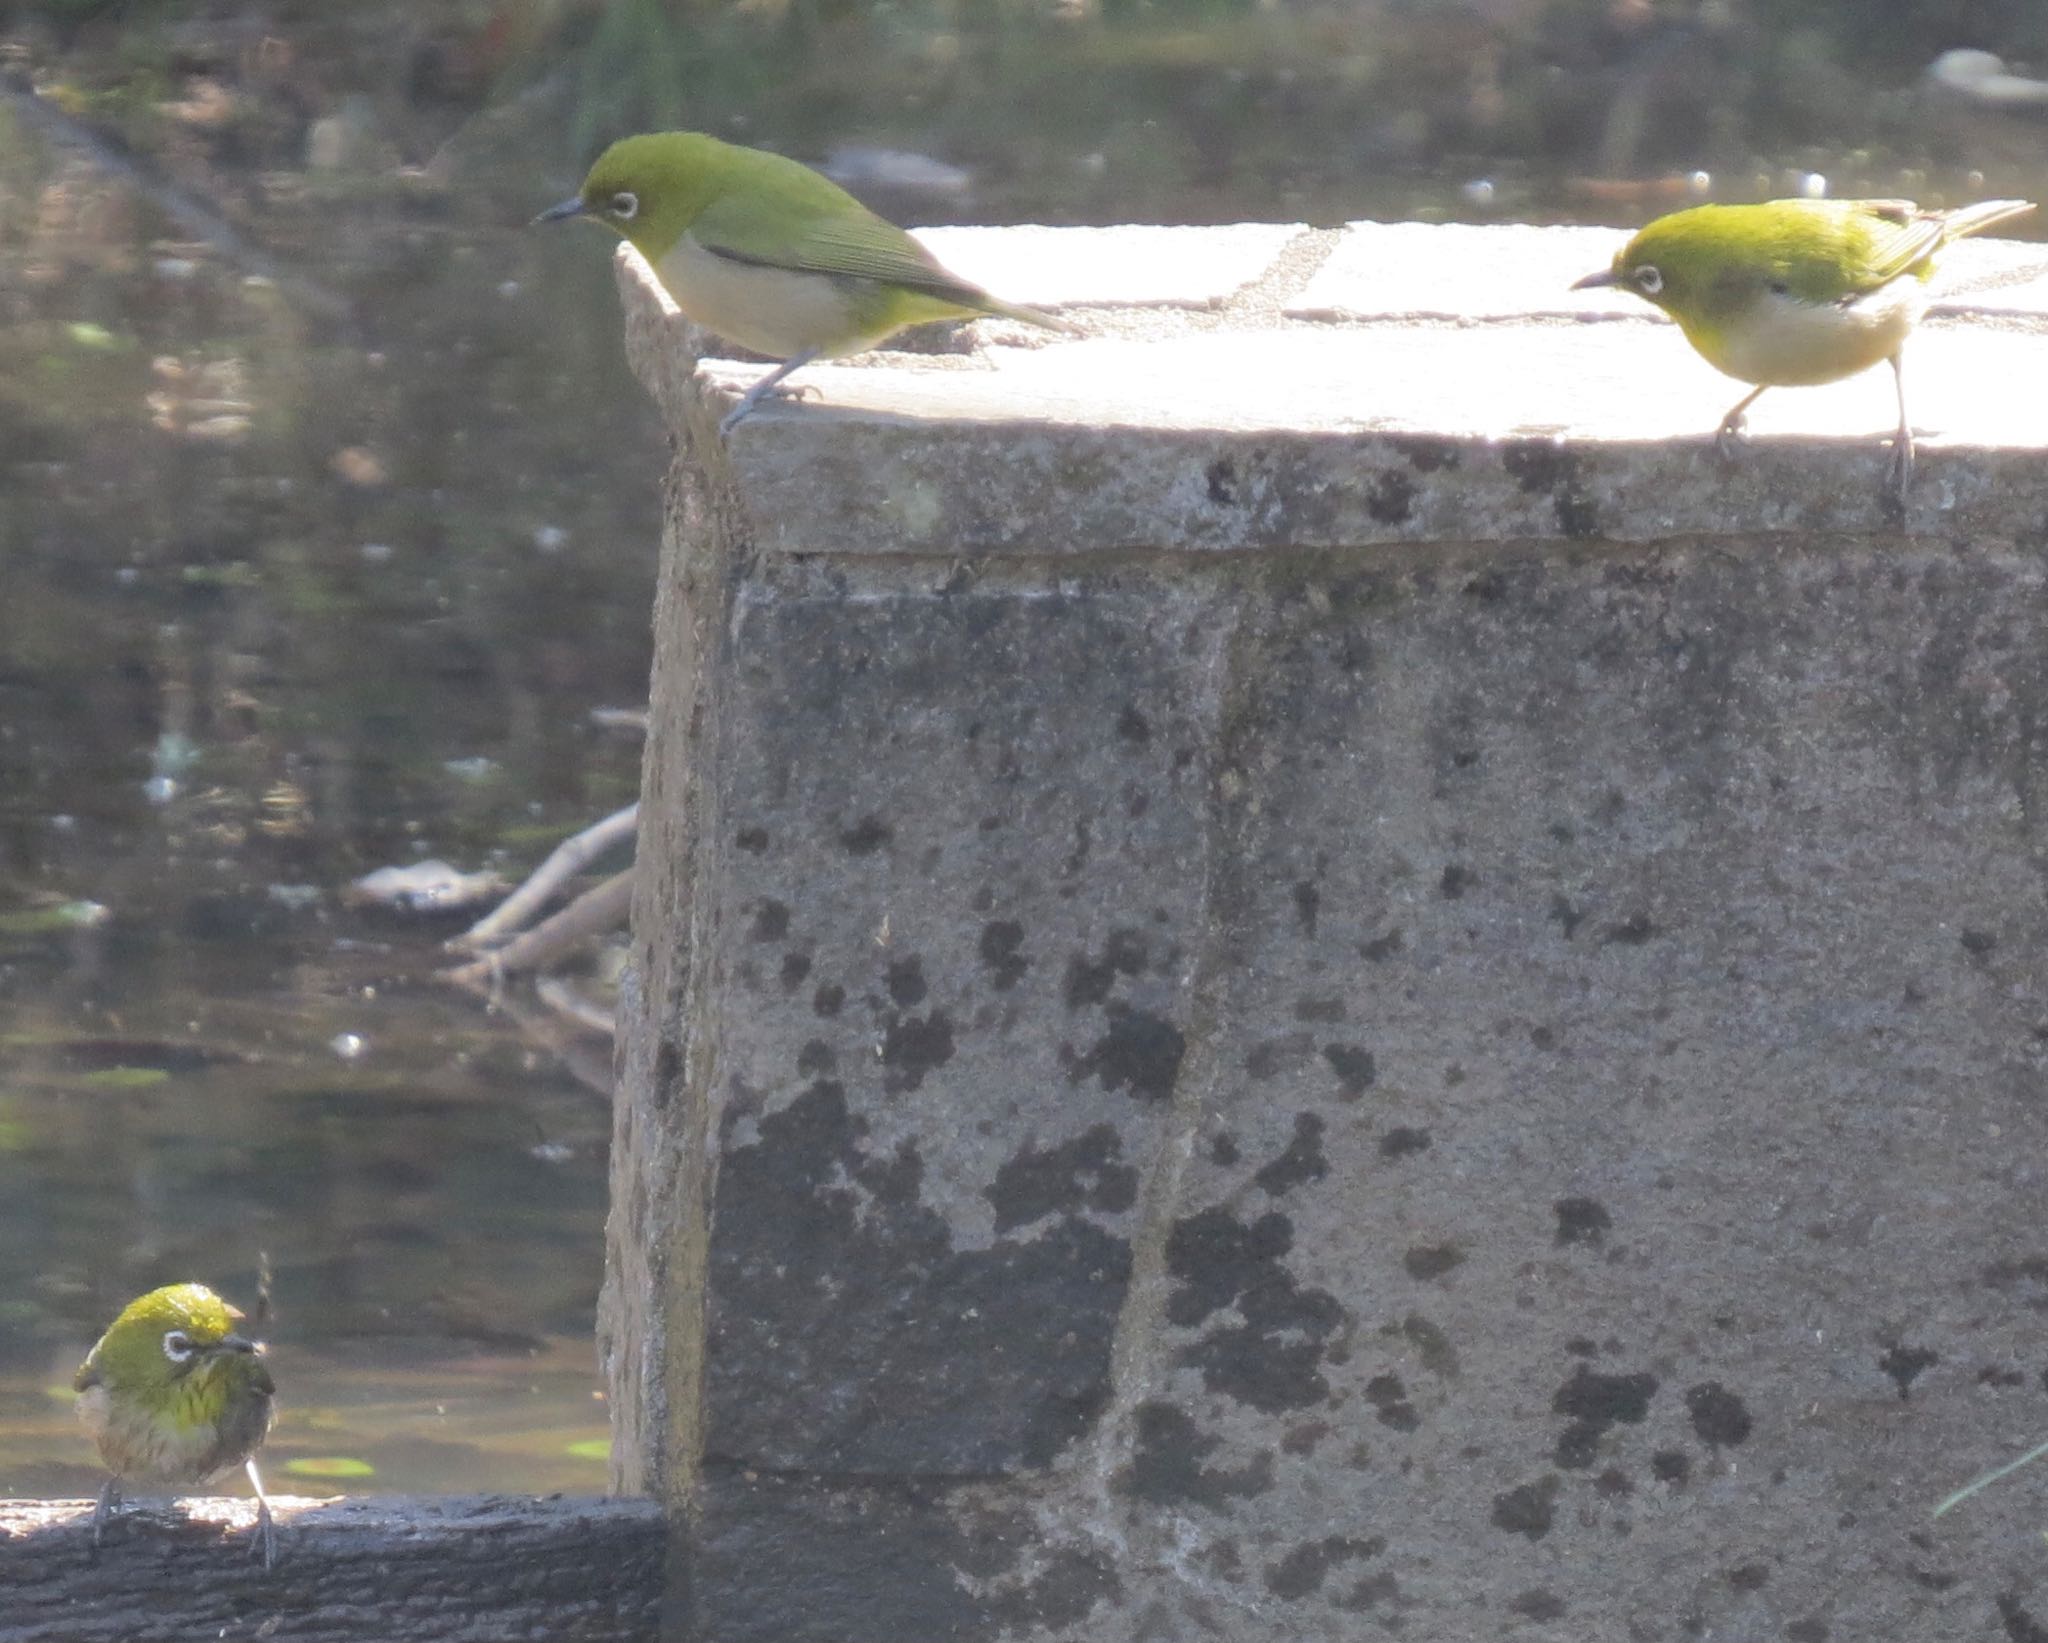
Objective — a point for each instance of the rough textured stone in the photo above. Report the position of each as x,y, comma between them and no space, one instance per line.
1281,1023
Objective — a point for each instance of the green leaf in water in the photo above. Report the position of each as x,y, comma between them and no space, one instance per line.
126,1078
95,337
329,1466
590,1448
43,921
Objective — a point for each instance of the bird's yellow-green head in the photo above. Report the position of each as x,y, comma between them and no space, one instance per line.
176,1347
649,189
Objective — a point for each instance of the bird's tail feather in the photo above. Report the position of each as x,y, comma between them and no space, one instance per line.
1974,219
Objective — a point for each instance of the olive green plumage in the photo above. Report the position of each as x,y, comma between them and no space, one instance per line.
771,255
174,1396
1790,293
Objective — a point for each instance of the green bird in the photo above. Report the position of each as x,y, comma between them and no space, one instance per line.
1791,293
770,255
172,1395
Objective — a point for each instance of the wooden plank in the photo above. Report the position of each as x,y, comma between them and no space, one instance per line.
391,1569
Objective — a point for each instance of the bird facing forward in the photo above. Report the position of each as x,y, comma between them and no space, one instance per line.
172,1395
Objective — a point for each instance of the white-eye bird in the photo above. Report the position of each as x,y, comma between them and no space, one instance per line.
1792,293
771,255
171,1394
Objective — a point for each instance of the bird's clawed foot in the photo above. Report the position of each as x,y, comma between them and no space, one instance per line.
1730,438
761,395
1899,472
103,1509
263,1544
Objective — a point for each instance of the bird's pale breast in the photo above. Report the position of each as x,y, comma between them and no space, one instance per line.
774,311
1784,342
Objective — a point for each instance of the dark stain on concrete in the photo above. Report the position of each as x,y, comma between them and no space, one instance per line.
1001,944
1671,1466
848,1335
1167,1467
1457,879
1269,1357
1388,1395
906,981
1632,931
1133,727
2020,1626
795,967
829,999
771,921
1526,1510
914,1046
1091,979
1308,901
865,836
1431,1344
1719,1417
1301,1162
815,1058
1428,456
1391,498
1404,1141
1538,1604
1427,1262
1582,1221
1084,1173
754,840
1354,1066
1605,1399
1905,1364
1301,1572
1141,1053
1381,948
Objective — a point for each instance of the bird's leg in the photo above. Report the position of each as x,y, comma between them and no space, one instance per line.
265,1543
769,387
1902,442
1728,437
103,1508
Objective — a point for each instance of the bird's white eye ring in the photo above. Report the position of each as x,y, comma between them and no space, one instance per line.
177,1345
1649,280
625,205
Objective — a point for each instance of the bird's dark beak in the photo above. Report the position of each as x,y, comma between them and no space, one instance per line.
561,213
236,1343
1592,281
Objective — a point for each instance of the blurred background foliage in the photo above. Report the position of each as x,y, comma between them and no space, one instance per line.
328,515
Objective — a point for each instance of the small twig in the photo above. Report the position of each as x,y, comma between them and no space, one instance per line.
579,1053
566,1001
590,914
570,857
1991,1476
620,718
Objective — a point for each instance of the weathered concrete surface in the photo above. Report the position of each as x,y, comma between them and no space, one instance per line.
1261,1023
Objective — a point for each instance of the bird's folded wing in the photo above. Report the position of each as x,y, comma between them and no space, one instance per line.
862,247
1898,240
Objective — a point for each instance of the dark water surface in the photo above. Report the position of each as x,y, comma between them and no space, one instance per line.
328,515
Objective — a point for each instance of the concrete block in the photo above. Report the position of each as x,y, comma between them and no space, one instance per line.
1300,978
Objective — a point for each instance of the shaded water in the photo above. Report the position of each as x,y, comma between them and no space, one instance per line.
328,514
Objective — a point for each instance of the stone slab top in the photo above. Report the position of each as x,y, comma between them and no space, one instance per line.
1274,385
